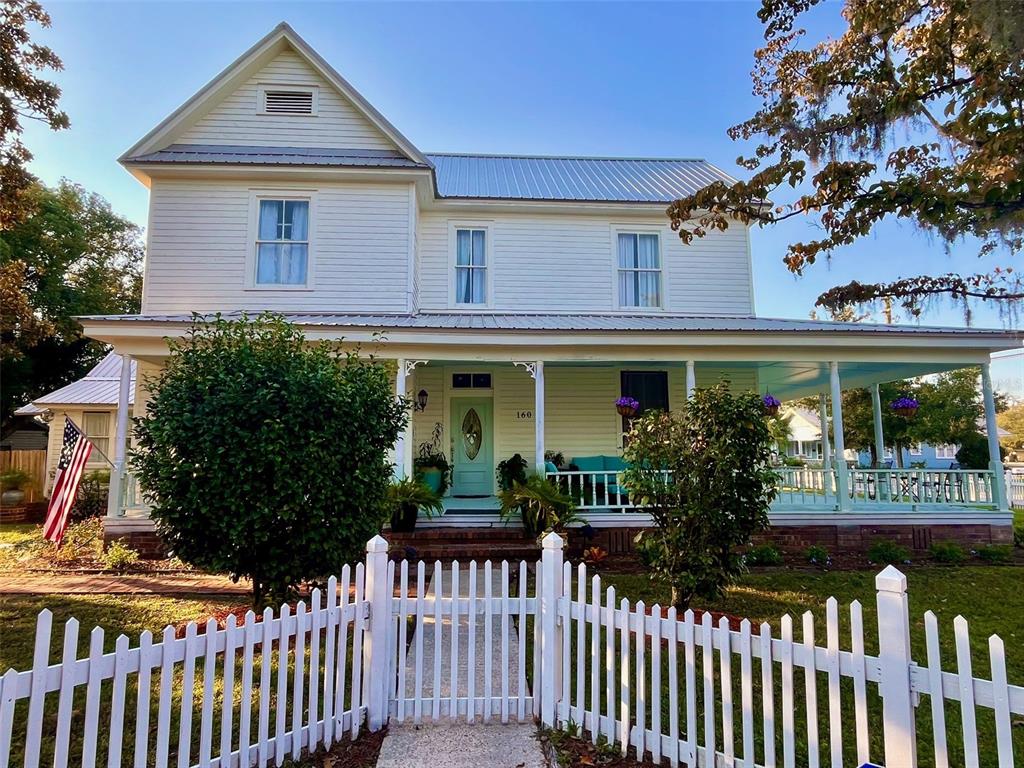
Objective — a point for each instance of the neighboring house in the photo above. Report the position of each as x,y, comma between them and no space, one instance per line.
23,432
927,455
805,434
521,294
91,403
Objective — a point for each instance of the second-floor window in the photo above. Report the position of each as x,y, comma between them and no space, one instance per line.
470,266
282,242
639,259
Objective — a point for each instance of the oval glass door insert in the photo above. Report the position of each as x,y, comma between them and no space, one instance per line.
472,434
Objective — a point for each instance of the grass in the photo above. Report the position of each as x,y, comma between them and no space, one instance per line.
16,539
989,597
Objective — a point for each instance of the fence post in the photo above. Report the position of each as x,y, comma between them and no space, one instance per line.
375,639
550,631
898,723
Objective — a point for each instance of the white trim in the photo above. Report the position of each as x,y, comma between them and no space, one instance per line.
311,89
454,225
255,196
638,229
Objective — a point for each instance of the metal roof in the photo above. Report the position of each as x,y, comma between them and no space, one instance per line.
245,155
527,321
98,387
583,179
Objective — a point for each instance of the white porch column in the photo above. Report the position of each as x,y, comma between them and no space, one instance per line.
826,447
114,489
691,378
538,415
842,474
995,461
404,439
876,408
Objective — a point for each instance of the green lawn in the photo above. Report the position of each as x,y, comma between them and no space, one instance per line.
990,597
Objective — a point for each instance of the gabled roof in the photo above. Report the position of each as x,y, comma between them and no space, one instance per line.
583,179
244,66
98,387
240,155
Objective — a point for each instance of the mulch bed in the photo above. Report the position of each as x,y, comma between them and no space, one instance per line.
574,752
361,753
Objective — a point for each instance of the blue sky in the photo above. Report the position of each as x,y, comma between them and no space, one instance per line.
661,79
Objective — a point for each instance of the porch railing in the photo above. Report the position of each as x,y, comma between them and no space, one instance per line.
810,487
132,503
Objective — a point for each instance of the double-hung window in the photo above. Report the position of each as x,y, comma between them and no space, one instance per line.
470,266
639,260
282,242
96,425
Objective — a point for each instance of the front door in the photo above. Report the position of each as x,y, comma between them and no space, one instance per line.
472,452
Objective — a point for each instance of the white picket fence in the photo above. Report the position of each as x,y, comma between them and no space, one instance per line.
683,688
1015,489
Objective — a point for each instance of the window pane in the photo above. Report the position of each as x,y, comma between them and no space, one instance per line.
481,381
627,289
461,381
270,219
281,263
627,251
649,291
647,252
463,247
296,218
462,286
479,247
479,288
96,424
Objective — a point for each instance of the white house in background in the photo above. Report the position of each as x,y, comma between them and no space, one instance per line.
91,403
521,294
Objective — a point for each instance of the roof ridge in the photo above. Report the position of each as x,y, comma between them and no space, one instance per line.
514,156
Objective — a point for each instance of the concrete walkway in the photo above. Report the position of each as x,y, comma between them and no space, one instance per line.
447,744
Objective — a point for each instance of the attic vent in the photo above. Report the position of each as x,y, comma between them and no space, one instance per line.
289,101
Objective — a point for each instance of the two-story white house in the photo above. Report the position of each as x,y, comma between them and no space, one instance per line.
520,295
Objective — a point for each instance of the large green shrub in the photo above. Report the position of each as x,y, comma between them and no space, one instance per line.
704,473
265,457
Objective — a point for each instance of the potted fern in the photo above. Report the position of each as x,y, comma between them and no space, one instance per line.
539,504
406,497
431,463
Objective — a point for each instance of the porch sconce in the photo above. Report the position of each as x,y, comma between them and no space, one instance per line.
421,401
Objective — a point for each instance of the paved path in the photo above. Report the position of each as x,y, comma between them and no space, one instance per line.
447,744
111,584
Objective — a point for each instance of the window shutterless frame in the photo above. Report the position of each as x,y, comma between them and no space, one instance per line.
618,270
284,236
472,265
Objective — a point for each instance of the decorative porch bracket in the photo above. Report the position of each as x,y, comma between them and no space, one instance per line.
412,365
530,368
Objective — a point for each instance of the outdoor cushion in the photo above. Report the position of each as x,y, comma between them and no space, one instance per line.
608,464
589,463
550,467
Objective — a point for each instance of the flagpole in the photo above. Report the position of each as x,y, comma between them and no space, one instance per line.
94,446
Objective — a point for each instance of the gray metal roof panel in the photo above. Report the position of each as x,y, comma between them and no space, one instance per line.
248,155
525,321
98,387
580,179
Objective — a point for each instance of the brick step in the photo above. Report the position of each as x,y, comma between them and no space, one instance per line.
466,551
501,535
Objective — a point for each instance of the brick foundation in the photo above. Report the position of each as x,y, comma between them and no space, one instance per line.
139,534
34,512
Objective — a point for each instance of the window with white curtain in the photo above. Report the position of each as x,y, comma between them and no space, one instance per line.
945,451
96,425
639,257
282,242
470,266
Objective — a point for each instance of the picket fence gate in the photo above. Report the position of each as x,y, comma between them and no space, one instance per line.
686,690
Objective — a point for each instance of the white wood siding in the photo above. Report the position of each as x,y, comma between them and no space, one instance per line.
199,239
553,263
236,120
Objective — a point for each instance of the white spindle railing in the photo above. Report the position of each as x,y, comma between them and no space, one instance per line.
921,486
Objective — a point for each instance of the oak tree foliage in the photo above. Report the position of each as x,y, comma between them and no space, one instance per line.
916,112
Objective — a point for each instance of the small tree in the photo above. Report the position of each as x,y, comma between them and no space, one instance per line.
266,457
704,473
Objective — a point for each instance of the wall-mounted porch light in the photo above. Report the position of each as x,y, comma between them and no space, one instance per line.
421,400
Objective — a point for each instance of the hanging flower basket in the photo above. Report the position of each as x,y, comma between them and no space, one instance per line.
627,406
771,404
904,406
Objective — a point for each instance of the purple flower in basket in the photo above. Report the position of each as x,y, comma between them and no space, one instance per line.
627,402
904,404
771,402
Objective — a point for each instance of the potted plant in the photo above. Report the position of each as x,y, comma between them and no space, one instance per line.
540,505
511,471
904,406
431,464
627,406
14,482
406,497
771,404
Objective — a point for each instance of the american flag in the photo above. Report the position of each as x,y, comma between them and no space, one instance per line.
73,455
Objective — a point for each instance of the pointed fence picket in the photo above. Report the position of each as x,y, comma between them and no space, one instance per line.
683,689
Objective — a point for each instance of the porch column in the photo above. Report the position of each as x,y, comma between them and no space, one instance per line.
876,408
538,415
114,489
842,474
404,439
826,447
691,378
995,461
